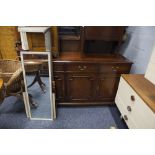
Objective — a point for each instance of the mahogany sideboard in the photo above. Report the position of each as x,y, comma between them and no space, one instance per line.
88,80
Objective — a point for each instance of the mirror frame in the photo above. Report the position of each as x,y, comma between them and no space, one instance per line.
27,104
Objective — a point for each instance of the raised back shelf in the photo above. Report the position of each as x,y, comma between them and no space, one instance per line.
102,39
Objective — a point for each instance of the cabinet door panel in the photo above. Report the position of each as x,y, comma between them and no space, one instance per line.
107,87
80,87
108,33
59,84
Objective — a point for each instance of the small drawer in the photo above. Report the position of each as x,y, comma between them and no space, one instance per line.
115,68
81,67
126,93
58,67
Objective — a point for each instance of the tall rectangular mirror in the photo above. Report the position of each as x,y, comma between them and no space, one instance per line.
37,72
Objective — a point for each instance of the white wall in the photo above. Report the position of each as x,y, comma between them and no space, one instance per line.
138,47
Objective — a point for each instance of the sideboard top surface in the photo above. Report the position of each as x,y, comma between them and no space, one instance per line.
77,57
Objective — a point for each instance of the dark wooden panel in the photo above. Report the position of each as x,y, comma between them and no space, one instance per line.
81,67
107,33
115,68
80,87
70,45
107,87
59,86
58,67
99,46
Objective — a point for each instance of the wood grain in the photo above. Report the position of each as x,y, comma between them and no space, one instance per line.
144,88
37,42
76,56
8,37
88,80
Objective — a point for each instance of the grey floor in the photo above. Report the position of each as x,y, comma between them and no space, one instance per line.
12,116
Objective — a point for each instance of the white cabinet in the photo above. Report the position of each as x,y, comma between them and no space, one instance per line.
135,102
33,29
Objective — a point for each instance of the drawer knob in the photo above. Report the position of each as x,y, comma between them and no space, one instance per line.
132,98
129,108
125,117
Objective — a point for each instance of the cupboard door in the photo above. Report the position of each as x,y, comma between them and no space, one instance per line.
107,87
80,87
59,86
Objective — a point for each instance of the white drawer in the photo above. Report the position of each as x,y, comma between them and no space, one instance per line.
140,112
126,93
130,123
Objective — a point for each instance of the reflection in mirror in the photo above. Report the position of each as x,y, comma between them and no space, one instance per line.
37,76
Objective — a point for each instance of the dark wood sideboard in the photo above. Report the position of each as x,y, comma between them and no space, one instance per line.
89,65
88,80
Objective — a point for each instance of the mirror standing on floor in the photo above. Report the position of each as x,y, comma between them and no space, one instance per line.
38,84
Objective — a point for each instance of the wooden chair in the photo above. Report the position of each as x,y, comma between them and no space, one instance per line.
11,73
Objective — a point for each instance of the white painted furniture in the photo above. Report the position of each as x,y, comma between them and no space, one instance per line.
135,100
150,72
34,29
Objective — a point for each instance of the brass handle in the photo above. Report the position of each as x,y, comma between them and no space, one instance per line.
84,67
79,67
132,98
129,108
125,117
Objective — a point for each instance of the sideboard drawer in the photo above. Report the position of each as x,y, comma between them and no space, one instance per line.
115,68
126,93
81,67
58,67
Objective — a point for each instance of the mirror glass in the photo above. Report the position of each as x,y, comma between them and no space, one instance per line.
37,78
